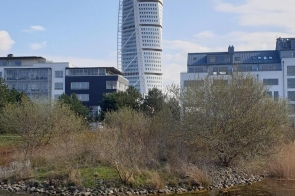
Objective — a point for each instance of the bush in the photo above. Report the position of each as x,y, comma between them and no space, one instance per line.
283,163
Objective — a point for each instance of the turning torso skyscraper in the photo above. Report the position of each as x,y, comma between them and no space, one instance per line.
140,43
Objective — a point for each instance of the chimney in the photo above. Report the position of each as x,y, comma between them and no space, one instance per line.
231,49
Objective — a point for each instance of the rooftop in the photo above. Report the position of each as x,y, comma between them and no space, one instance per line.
12,57
241,57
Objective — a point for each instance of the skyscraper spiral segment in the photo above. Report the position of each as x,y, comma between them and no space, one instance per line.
140,43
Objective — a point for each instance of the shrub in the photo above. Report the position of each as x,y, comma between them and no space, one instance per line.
283,163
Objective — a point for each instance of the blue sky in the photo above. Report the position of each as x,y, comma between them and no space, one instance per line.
84,32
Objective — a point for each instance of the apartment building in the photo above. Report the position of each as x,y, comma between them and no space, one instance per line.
40,78
276,68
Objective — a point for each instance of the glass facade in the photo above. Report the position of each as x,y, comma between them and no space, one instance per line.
34,82
86,72
83,97
79,85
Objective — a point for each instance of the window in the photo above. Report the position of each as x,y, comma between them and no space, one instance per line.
291,82
290,70
83,97
249,68
15,63
266,68
215,70
237,58
79,85
111,84
58,86
241,68
222,70
276,95
191,70
59,74
0,74
199,69
269,93
3,63
271,81
291,95
212,59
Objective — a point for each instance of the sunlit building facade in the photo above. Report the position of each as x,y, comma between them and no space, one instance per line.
43,79
140,43
275,68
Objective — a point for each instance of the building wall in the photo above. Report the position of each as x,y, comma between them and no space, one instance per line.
261,75
97,87
32,88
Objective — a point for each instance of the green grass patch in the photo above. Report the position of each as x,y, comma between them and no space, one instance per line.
9,140
92,174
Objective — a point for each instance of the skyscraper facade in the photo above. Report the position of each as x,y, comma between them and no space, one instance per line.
140,43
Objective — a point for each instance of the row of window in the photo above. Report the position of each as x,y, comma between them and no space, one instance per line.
260,57
148,8
151,37
151,33
148,12
149,29
213,59
156,45
154,41
240,68
147,4
152,61
152,57
152,53
148,20
152,69
274,95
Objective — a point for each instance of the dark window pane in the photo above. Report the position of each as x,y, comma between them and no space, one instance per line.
291,82
276,95
241,68
291,95
290,70
271,81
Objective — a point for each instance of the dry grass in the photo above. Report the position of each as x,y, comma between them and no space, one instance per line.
74,177
154,180
200,176
283,163
6,155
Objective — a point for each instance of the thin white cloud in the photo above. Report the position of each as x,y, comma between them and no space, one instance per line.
5,41
37,46
261,12
34,29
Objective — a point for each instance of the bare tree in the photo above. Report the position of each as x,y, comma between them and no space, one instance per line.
233,116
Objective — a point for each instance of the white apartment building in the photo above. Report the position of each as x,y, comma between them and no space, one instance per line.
34,75
276,68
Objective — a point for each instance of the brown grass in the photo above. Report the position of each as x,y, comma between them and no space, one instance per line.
283,163
154,180
74,177
6,155
200,176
